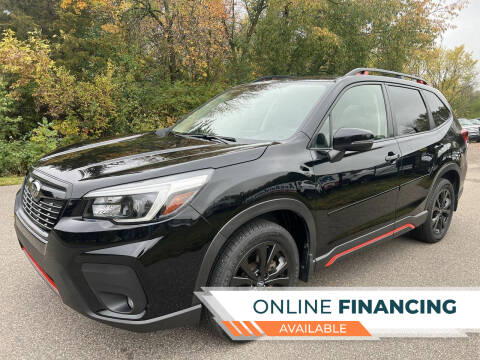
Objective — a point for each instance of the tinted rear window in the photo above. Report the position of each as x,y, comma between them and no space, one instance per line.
439,111
409,110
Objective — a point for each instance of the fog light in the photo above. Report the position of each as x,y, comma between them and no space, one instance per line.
130,302
116,287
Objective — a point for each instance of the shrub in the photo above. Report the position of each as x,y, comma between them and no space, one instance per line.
16,156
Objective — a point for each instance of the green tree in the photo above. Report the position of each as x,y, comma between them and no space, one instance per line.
25,16
288,40
475,105
452,71
331,37
9,125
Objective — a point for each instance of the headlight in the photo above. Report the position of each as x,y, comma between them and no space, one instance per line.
142,201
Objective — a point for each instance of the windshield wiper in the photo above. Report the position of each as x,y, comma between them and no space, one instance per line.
222,139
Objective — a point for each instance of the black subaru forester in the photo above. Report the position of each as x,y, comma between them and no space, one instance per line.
258,187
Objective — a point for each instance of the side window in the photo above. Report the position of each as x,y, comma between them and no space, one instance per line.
409,110
439,111
361,107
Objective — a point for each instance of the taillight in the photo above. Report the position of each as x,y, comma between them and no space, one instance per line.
465,135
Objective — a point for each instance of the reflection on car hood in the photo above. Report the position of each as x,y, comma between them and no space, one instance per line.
143,153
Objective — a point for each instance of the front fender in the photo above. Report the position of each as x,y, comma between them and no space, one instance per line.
245,216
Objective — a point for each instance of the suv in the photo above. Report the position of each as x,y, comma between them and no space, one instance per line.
258,187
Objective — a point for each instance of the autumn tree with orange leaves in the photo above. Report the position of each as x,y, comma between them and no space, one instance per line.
79,69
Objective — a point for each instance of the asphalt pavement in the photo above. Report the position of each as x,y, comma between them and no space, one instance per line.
34,324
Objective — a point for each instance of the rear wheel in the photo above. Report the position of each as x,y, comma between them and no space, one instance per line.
260,254
440,212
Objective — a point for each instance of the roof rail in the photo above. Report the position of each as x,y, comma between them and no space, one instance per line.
272,77
367,71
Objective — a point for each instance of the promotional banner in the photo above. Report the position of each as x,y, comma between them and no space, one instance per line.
343,313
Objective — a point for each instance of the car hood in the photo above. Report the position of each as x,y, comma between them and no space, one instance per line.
153,154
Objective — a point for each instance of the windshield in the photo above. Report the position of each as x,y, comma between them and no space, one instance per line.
262,111
465,122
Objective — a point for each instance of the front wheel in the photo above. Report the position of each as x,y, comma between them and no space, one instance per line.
260,254
440,212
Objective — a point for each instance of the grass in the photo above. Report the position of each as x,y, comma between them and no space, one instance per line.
11,180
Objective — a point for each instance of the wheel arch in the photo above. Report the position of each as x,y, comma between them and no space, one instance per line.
451,172
255,211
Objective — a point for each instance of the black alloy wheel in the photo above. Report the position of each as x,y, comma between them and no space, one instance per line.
442,211
266,265
440,207
259,254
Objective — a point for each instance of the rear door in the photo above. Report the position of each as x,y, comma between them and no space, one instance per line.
357,195
412,125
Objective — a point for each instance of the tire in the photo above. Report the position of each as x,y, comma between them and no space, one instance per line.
440,212
239,264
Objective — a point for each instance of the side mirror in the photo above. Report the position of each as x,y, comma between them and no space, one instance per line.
351,139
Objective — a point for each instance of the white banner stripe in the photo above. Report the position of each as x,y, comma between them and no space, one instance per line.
382,312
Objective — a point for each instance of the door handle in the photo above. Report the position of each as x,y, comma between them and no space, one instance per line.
392,157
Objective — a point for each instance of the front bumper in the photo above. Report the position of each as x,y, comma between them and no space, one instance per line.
96,266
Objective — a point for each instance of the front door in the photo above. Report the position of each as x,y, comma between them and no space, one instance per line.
357,195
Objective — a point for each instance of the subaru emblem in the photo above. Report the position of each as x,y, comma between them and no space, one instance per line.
35,188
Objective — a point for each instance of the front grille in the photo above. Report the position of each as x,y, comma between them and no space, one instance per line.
44,212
